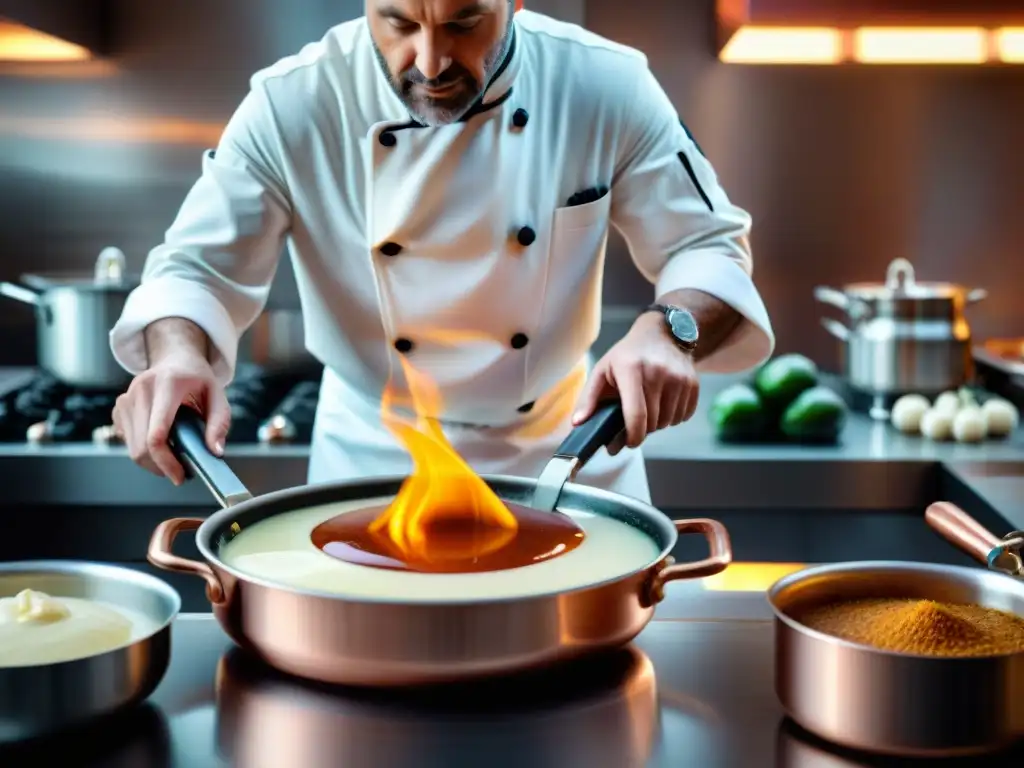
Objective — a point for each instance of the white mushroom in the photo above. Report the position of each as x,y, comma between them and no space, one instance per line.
969,425
947,402
936,424
1001,417
907,412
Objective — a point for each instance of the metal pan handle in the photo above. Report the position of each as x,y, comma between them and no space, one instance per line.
188,443
604,425
967,534
161,555
718,559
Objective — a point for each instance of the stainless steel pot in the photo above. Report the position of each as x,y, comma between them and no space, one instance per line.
74,316
903,336
38,700
387,642
277,342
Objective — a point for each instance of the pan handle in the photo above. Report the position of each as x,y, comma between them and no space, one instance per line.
603,426
159,554
718,560
188,443
967,534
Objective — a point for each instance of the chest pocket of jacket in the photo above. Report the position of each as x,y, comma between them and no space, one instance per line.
572,298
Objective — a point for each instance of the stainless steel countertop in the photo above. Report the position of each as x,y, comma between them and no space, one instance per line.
694,689
874,467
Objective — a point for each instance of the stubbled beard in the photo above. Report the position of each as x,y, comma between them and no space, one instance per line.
450,109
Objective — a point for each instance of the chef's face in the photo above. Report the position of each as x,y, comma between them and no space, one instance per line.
440,54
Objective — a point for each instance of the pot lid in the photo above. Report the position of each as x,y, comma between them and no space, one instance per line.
108,273
900,283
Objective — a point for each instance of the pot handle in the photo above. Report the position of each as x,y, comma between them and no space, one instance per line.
967,534
855,308
836,328
19,293
188,443
717,561
159,554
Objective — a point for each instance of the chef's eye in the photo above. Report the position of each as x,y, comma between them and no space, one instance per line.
401,25
464,25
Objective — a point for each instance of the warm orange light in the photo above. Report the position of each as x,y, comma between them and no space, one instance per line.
21,43
1009,45
914,45
442,486
874,45
784,45
126,130
749,577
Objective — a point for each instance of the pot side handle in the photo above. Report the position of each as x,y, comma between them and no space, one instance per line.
159,554
968,535
717,561
854,308
188,443
19,293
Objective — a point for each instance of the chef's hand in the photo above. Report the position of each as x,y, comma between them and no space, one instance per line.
655,380
144,414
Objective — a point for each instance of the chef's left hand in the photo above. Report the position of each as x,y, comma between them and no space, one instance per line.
655,380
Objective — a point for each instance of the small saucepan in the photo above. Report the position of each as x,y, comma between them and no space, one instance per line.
339,638
901,704
37,700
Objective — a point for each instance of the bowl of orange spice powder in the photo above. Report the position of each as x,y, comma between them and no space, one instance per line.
901,658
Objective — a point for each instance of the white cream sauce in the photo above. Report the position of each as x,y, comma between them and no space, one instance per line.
36,628
279,550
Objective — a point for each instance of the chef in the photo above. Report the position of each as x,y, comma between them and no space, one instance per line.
443,174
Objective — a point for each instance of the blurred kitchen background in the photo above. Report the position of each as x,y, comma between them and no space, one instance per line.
843,168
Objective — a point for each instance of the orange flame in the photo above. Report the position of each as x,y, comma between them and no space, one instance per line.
443,492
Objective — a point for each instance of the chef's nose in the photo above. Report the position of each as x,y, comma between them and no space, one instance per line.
432,57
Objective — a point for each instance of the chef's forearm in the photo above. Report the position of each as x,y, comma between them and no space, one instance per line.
716,320
175,336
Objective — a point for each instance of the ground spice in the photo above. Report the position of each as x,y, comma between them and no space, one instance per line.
920,627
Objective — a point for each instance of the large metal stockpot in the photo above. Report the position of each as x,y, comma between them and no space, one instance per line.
903,336
331,638
893,703
74,316
37,700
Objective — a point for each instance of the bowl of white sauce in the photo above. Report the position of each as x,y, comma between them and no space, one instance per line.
78,640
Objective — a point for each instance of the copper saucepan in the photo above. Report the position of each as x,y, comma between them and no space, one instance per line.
335,639
899,704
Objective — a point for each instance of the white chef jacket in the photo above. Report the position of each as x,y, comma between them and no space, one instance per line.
457,246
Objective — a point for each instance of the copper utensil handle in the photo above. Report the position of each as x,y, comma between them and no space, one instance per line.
160,555
961,530
717,561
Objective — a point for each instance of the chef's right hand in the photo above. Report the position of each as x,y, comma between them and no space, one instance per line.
144,414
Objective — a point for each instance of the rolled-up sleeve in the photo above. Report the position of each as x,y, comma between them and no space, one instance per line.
220,255
681,229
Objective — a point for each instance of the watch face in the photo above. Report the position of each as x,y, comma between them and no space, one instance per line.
683,326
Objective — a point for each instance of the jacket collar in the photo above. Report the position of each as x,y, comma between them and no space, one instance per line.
498,89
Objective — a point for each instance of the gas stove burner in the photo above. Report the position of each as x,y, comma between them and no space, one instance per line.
278,429
106,435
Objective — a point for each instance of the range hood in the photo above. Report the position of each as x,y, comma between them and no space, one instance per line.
54,30
871,31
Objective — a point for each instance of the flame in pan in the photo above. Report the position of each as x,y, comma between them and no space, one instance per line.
443,494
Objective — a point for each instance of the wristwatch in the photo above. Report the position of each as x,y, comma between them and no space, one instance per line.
681,325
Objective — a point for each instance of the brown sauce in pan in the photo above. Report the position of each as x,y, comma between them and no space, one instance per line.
462,545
